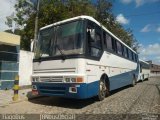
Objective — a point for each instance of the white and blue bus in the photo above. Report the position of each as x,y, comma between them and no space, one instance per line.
144,70
79,58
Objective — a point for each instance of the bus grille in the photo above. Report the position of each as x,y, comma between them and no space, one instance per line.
52,90
53,79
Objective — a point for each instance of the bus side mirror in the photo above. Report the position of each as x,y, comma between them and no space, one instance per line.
91,34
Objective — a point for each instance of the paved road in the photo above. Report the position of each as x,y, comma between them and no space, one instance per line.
144,98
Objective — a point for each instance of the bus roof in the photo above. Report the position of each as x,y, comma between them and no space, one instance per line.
91,19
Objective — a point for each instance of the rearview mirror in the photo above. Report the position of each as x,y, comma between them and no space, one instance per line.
91,34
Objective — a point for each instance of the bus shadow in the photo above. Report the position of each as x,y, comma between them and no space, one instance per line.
119,90
141,81
68,102
63,102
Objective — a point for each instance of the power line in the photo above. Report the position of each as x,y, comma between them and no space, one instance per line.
142,14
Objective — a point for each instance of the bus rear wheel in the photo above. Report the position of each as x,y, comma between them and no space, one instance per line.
133,81
103,90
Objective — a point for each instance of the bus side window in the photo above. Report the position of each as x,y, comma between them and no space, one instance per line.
107,41
130,54
95,41
104,39
122,49
114,48
125,52
119,48
135,58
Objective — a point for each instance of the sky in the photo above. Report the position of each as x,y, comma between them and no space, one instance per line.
142,16
6,9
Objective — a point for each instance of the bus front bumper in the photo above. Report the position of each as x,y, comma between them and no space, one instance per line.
68,90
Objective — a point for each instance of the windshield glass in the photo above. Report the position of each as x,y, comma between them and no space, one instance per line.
66,38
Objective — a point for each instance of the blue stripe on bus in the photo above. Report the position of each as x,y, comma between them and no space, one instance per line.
62,89
121,80
85,90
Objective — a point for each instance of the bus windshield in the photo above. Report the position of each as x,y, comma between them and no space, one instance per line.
64,39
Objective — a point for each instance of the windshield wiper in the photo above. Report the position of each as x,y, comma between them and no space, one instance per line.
40,56
63,55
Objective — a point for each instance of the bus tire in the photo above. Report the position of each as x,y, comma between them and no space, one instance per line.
102,90
143,77
133,81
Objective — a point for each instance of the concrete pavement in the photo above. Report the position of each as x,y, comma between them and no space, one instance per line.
6,96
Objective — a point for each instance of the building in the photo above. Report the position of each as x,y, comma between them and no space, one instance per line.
9,59
155,69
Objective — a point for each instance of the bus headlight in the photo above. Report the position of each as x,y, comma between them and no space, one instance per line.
66,80
35,79
73,80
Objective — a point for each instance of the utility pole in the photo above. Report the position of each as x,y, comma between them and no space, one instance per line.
36,24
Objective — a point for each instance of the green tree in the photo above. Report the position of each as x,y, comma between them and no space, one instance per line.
17,31
105,16
56,10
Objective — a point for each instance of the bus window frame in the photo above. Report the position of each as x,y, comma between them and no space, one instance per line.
120,45
85,46
88,52
125,49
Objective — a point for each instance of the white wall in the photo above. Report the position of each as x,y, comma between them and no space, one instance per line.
154,75
25,67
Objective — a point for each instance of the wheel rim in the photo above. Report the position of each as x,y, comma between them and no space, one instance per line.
102,89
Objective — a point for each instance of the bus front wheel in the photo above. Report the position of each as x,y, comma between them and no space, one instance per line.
103,90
